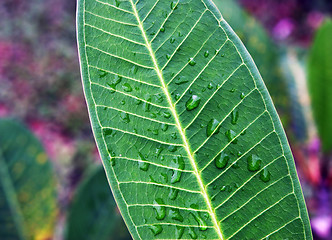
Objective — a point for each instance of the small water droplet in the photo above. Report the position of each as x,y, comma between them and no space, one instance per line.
164,127
180,81
244,132
159,208
174,135
102,73
126,87
210,86
265,175
230,134
234,116
206,53
223,188
172,148
232,90
168,56
239,154
112,162
146,106
193,102
173,193
125,117
158,151
177,96
156,229
117,3
134,69
107,131
242,95
192,233
212,127
142,164
175,214
216,52
178,163
166,115
155,132
221,160
174,5
172,40
192,62
162,29
254,163
179,232
236,165
123,102
180,34
138,102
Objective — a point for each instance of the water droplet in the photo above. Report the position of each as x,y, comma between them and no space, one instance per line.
265,175
180,34
156,229
210,86
155,131
158,151
177,96
244,132
174,135
134,69
117,3
192,233
216,52
173,193
221,160
135,130
162,29
179,232
175,214
127,88
242,95
112,162
230,134
180,81
223,188
168,56
142,164
107,131
232,90
172,148
235,165
206,53
201,222
190,91
138,102
164,177
174,5
215,187
178,163
164,127
234,116
166,115
102,73
254,163
212,127
146,106
159,208
123,102
192,62
193,102
172,40
125,117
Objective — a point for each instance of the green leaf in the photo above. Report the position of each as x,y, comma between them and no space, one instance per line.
320,83
27,185
93,213
194,148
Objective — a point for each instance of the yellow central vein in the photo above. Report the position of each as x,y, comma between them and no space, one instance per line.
178,125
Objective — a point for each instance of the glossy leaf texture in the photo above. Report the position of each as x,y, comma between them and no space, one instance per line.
27,185
191,142
320,83
93,213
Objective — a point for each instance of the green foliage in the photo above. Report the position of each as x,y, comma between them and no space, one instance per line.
191,142
320,83
27,185
93,213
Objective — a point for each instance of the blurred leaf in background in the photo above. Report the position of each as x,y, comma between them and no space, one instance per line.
93,214
27,185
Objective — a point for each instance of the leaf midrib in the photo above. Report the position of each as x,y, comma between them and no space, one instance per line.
178,124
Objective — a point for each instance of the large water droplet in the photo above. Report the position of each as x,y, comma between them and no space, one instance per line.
173,193
175,214
212,127
254,163
235,116
156,229
126,87
178,163
179,232
159,208
143,165
192,233
192,62
193,102
230,134
265,175
201,222
206,53
125,117
221,160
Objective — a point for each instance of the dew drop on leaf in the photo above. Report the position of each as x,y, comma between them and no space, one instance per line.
159,208
201,222
134,69
179,232
172,40
193,102
123,102
107,131
177,96
192,233
125,117
242,95
174,5
206,53
172,148
164,127
192,62
168,56
234,117
178,163
175,214
166,115
230,134
221,160
265,175
156,229
210,86
236,165
126,87
173,193
254,163
162,29
142,164
174,136
102,73
180,81
212,127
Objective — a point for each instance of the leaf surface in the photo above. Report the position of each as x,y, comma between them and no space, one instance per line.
192,145
320,83
27,186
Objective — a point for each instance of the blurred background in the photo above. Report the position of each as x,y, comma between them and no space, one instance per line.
42,110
